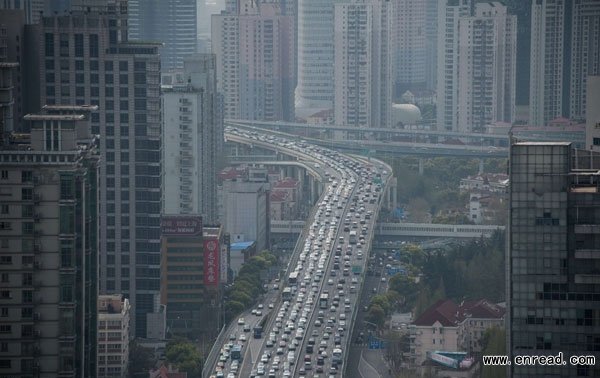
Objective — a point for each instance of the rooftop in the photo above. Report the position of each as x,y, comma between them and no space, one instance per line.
287,182
54,117
88,108
449,314
239,246
542,143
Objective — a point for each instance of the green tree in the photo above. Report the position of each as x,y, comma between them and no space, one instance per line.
184,355
376,315
406,288
494,343
141,360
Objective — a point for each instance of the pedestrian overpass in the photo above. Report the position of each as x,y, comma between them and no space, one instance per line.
426,230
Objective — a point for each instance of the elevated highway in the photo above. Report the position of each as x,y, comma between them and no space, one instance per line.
386,147
354,192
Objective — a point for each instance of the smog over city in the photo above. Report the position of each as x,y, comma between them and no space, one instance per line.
299,188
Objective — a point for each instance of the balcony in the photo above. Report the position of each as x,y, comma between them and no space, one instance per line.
587,253
587,228
587,278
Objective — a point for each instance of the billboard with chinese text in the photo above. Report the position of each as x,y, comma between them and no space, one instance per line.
211,262
181,225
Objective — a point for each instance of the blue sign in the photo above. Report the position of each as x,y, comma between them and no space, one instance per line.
375,343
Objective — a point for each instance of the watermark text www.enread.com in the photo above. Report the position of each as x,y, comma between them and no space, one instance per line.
559,359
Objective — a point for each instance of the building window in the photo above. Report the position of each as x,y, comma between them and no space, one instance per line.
4,209
27,228
49,44
79,45
67,187
94,47
4,277
64,44
596,141
67,220
123,65
66,254
27,296
5,226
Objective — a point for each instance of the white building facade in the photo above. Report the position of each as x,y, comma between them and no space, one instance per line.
315,55
193,139
410,46
486,78
476,73
246,212
363,63
546,75
113,336
255,47
448,62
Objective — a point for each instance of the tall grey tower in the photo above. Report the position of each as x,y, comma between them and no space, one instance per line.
86,59
409,46
565,50
553,269
172,22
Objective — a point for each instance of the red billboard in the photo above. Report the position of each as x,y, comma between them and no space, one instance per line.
211,262
180,225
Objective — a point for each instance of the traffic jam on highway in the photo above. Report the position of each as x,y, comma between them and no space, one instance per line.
311,322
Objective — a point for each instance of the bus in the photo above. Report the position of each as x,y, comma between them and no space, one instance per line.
258,332
323,301
236,352
293,278
352,238
286,295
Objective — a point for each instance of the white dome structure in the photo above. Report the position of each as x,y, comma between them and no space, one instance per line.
407,114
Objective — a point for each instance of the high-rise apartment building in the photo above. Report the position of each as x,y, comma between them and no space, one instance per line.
409,47
431,43
476,72
85,58
584,54
592,113
49,247
113,336
193,129
315,56
522,9
546,73
486,68
8,71
565,40
255,47
449,14
553,279
172,22
363,63
12,32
